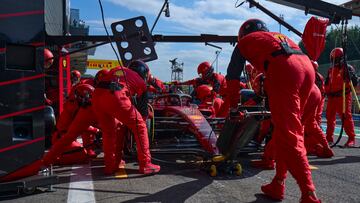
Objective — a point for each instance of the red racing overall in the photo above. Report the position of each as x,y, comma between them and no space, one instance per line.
289,79
82,121
208,99
65,119
315,140
155,85
333,88
216,80
112,100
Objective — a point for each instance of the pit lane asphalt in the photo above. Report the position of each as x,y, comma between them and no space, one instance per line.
337,180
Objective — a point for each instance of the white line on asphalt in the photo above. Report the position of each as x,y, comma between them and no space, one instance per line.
81,188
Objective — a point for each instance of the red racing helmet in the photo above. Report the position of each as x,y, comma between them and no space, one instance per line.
83,94
48,58
141,68
204,91
100,76
75,76
336,55
205,69
251,25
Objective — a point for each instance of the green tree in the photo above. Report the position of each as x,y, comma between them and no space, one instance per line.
334,39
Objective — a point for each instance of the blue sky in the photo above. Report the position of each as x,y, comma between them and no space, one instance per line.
188,17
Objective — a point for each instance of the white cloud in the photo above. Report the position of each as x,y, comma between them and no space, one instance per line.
213,16
190,54
145,6
99,22
105,52
210,16
199,17
202,16
191,58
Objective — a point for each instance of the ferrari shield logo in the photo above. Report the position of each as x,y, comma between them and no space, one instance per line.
64,63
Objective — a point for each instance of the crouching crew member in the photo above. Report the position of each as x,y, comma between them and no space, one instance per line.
208,99
80,123
121,94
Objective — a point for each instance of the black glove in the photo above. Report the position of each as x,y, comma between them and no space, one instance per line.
98,137
142,104
351,75
216,86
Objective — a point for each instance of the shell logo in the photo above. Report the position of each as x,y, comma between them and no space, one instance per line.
119,73
281,37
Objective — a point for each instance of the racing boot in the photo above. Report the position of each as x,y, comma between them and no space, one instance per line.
111,160
350,142
265,164
275,190
89,146
149,169
110,171
324,152
144,156
88,138
122,164
91,153
309,198
121,132
330,139
311,151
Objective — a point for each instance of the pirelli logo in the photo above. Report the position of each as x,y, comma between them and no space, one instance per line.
102,64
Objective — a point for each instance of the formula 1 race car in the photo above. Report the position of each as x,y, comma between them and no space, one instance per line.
188,126
180,127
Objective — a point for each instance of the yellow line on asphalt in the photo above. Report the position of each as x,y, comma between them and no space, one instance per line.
121,173
313,167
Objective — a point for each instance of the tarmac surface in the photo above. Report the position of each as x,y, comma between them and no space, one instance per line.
337,180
